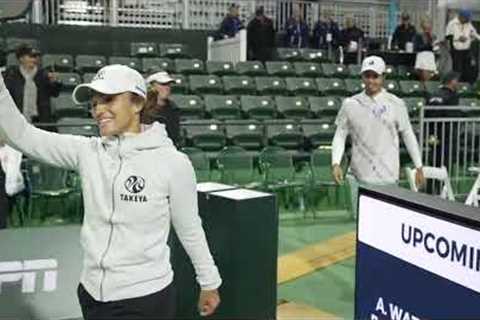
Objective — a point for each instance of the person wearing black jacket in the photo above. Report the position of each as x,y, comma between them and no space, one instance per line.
165,110
260,37
350,39
404,33
30,86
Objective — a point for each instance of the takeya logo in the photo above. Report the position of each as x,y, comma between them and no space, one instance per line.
134,185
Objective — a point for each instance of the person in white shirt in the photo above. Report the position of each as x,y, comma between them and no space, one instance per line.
11,179
373,119
461,33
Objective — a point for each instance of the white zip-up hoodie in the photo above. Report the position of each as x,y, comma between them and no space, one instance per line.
133,187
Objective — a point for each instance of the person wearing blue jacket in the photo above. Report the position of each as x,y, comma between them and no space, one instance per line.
231,24
320,31
135,185
297,33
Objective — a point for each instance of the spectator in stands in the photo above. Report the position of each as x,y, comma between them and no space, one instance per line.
439,136
350,39
461,33
231,24
135,185
297,32
161,108
260,37
374,119
30,86
423,44
404,33
326,31
447,94
11,180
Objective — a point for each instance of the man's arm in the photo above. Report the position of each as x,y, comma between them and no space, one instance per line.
338,143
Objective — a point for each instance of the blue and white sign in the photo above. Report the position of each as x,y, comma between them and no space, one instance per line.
411,265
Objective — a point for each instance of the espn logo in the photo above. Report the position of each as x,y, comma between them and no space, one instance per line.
26,272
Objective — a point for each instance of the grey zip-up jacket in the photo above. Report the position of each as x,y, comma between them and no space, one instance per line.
133,187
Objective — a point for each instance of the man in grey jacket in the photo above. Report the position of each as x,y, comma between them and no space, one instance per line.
134,184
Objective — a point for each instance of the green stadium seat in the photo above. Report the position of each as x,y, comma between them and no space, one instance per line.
392,86
237,168
466,90
279,68
270,85
470,102
153,65
247,134
12,59
58,62
189,66
239,85
307,69
318,132
301,86
354,70
88,77
404,72
200,163
250,68
412,88
432,87
314,55
293,107
180,85
289,54
65,107
414,104
390,72
278,171
191,106
331,86
69,80
354,86
332,70
220,68
284,133
77,126
207,135
222,107
46,183
325,107
89,63
258,107
134,63
203,84
174,50
143,49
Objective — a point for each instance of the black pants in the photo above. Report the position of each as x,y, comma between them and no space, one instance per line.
4,202
461,63
158,305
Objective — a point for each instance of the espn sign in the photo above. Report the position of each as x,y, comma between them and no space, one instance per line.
26,272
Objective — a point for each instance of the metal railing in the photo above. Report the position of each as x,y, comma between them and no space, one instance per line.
370,15
450,137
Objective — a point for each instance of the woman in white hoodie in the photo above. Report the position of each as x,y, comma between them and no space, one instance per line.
135,184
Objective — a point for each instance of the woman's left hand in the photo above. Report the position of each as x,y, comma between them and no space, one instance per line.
208,302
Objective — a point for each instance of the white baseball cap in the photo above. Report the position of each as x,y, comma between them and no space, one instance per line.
161,77
373,63
112,79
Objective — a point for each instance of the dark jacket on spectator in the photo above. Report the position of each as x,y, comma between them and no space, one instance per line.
261,39
297,34
230,26
423,42
170,117
443,97
320,31
15,83
350,34
403,35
